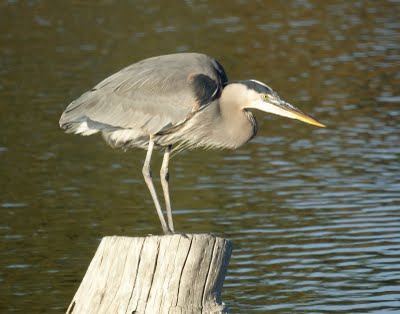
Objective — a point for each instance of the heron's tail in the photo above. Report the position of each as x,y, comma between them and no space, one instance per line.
74,119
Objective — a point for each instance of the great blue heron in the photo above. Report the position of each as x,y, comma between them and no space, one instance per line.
183,100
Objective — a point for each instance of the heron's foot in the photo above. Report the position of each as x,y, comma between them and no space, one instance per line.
169,232
182,234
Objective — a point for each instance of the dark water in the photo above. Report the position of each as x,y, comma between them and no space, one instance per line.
314,213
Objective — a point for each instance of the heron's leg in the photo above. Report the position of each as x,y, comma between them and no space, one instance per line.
149,181
164,175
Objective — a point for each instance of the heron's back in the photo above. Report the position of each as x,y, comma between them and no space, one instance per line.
154,96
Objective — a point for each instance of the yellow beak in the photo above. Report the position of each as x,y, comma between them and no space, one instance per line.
295,113
279,107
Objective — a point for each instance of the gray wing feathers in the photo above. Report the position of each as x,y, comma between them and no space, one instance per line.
151,95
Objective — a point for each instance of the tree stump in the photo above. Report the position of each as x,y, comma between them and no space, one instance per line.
155,274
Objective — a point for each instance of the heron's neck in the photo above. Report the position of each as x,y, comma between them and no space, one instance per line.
233,99
239,126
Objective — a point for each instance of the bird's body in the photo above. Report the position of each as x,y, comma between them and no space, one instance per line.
179,100
146,99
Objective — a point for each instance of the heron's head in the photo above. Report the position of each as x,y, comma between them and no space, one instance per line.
262,97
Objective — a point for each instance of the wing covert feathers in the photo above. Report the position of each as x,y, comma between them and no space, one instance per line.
151,96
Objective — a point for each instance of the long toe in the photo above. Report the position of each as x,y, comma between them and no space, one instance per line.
182,234
168,232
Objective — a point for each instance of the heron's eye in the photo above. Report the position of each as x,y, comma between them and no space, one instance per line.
265,96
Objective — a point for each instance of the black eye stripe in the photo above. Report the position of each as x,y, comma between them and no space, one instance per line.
256,86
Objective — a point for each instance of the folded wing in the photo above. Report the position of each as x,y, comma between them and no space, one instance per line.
150,96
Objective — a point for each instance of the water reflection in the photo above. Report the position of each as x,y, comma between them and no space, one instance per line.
314,213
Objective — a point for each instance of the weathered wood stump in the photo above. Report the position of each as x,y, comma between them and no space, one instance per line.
155,274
